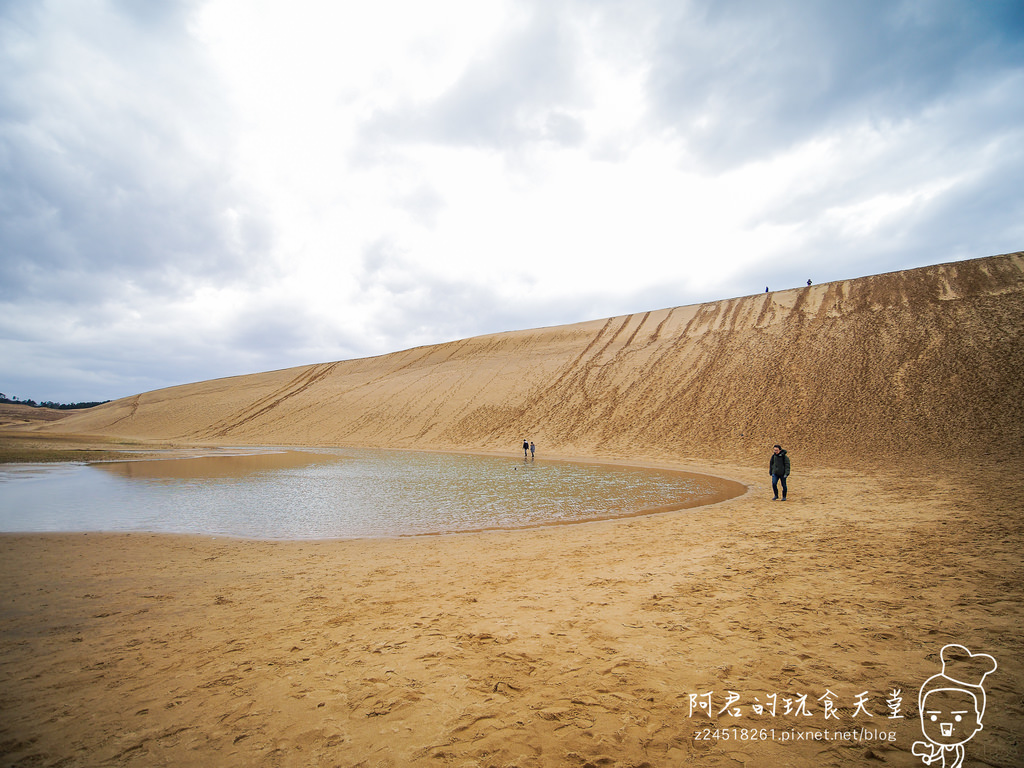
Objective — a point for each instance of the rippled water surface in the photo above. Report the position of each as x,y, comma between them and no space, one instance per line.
338,493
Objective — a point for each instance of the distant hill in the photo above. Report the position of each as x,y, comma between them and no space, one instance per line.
19,414
927,363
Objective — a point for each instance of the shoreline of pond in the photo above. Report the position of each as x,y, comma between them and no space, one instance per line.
173,458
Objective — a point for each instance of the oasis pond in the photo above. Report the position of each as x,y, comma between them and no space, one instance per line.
326,493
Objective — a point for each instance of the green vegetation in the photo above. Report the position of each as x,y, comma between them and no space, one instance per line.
49,403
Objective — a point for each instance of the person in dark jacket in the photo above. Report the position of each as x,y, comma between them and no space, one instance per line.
778,468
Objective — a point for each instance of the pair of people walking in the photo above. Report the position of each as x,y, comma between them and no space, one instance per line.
529,449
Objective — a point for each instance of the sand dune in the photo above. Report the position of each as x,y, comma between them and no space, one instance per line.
17,415
914,361
899,396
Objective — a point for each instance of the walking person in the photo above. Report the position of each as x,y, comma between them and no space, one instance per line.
533,449
778,468
526,448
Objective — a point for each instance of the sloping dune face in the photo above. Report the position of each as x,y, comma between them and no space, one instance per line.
926,363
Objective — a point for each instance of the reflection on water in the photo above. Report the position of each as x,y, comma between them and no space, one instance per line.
342,493
219,466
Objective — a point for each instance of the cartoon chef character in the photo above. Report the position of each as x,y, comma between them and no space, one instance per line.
952,704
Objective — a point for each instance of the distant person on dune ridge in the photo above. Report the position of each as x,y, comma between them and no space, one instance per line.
778,468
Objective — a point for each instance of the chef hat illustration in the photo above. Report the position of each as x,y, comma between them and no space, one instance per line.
961,669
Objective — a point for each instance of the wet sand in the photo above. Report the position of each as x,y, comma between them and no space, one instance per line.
574,645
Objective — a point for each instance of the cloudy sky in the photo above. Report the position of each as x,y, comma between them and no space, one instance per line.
191,190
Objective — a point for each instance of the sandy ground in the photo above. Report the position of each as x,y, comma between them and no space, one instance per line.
574,645
900,397
917,363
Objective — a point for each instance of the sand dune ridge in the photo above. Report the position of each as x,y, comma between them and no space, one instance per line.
914,361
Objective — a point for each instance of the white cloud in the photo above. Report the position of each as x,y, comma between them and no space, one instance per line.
199,189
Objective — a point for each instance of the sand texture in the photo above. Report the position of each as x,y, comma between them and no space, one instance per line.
909,361
16,415
899,397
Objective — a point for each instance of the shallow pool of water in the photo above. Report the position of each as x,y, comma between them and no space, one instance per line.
332,493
